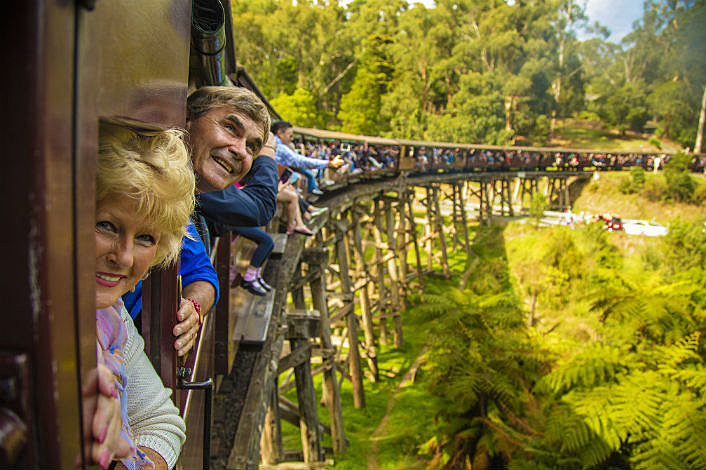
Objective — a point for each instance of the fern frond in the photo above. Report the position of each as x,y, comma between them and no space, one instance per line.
596,365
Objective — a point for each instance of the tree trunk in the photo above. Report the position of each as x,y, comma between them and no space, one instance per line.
509,104
698,146
533,304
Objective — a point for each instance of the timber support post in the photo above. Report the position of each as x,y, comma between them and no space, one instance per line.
351,319
392,270
302,325
317,259
361,284
412,232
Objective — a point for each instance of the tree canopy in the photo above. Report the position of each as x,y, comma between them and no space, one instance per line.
475,71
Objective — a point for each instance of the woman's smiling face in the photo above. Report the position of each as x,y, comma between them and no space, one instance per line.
125,247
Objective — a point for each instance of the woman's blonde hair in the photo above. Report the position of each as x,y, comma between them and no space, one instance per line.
153,168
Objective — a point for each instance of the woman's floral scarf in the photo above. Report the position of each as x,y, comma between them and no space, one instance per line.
111,335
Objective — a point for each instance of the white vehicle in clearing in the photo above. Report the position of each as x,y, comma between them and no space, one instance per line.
643,227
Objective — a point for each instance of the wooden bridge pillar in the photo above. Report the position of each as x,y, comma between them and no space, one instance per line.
271,450
458,191
485,208
317,259
363,277
411,230
435,225
392,270
559,192
301,326
383,297
351,319
529,185
506,196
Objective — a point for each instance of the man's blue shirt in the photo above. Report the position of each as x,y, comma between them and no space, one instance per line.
195,266
284,155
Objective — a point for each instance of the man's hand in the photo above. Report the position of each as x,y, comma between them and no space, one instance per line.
187,328
188,325
336,162
268,149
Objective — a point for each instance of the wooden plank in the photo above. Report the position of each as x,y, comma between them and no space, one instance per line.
295,358
280,240
253,320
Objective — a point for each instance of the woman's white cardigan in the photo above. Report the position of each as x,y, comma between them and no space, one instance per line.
154,420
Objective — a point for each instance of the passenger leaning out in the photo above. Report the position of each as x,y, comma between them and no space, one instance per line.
144,195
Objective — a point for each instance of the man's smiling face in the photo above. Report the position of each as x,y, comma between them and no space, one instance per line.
223,145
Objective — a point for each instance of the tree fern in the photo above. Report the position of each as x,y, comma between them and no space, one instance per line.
594,366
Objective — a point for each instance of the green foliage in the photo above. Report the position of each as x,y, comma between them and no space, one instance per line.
680,186
653,140
624,107
299,108
635,183
360,111
655,189
538,205
540,132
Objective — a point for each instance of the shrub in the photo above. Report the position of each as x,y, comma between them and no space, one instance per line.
699,196
680,186
625,186
635,183
540,131
653,140
655,189
538,206
638,176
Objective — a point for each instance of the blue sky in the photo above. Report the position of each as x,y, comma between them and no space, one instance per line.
616,15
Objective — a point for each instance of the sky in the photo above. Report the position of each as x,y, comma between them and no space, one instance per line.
616,15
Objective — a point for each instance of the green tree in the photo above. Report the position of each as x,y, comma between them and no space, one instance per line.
624,107
299,108
680,186
361,107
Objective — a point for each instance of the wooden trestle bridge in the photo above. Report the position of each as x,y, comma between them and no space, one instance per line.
352,275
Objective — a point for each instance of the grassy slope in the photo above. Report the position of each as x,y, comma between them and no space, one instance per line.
585,134
602,196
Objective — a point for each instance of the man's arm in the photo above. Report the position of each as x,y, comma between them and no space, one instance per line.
288,157
251,206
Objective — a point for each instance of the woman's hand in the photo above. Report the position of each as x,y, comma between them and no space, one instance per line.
188,327
105,425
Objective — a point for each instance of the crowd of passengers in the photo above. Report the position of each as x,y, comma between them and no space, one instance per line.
366,158
164,194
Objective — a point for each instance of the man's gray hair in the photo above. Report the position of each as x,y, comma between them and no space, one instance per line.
241,100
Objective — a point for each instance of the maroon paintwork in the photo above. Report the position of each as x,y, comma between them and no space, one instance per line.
65,67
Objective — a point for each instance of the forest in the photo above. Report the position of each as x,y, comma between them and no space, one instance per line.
475,71
562,347
549,348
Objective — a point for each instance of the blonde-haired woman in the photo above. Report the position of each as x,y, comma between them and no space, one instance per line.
144,196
